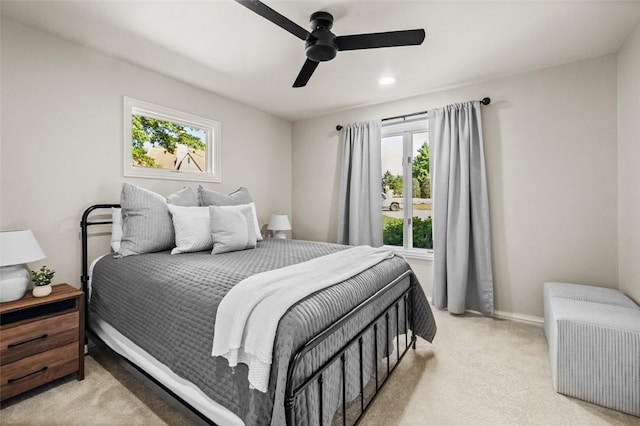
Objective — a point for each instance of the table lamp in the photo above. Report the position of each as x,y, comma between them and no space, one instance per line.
279,223
16,249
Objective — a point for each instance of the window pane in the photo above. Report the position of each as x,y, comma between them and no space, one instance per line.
392,181
164,144
421,192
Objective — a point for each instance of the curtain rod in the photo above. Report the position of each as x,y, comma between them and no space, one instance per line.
483,101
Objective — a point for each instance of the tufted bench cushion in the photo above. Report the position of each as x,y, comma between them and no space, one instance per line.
594,344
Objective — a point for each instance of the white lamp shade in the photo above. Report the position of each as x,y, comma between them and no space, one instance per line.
18,247
279,222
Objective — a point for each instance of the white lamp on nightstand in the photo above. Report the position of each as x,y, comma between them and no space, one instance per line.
279,223
16,249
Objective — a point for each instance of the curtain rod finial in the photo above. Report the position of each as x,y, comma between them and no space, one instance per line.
485,101
339,127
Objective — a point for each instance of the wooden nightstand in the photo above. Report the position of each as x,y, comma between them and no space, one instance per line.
41,339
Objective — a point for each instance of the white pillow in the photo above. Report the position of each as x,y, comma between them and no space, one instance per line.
255,221
232,228
116,228
191,226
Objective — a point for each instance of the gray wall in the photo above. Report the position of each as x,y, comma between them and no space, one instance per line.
62,140
550,145
628,163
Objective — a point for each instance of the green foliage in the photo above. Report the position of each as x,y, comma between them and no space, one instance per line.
148,130
415,186
141,158
392,233
420,171
392,182
42,277
422,233
425,188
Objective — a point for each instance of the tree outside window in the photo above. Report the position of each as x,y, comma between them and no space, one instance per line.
154,139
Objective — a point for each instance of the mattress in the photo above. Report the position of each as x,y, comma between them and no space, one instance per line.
166,304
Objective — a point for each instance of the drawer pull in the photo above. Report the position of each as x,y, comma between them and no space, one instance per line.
42,370
13,345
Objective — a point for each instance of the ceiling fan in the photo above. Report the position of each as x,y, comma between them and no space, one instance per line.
322,45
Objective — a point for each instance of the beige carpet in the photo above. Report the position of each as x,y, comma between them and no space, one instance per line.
479,371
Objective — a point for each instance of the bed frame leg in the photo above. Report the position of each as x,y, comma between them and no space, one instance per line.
289,401
412,318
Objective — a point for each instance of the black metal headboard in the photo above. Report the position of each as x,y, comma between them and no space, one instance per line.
85,223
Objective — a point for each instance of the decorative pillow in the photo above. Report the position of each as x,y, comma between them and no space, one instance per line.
208,197
147,223
232,229
185,197
116,228
241,196
192,229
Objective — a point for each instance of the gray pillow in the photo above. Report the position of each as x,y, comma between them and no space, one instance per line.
231,228
208,197
241,196
186,197
146,223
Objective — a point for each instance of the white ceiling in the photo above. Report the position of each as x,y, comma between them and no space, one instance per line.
223,47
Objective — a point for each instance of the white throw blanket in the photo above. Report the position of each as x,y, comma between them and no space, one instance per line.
249,314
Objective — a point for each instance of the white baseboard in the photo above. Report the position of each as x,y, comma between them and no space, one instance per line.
506,315
519,317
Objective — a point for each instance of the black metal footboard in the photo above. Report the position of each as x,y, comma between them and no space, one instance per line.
404,300
391,320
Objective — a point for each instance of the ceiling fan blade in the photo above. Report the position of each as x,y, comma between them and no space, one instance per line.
273,16
376,40
305,73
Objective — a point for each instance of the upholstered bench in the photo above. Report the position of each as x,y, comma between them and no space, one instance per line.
594,344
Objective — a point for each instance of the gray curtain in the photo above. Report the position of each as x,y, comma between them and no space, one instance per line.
360,202
462,272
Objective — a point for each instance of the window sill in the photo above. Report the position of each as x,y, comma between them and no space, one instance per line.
421,254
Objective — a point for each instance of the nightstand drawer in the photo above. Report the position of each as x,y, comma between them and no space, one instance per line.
38,369
38,336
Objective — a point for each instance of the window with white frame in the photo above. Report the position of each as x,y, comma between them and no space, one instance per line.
406,186
164,143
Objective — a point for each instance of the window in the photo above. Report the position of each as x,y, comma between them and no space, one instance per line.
406,186
163,143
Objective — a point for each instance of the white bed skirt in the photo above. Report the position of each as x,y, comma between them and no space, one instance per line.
186,390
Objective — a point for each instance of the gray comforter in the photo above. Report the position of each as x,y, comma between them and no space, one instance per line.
167,304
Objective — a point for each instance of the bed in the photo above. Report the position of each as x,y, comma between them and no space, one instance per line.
333,350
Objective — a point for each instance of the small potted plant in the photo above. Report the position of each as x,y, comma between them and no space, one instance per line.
42,281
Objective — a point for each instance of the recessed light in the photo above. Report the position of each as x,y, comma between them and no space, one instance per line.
385,81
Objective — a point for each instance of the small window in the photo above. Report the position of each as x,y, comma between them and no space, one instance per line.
406,186
163,143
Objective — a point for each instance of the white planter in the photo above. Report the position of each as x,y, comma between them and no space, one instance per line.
41,291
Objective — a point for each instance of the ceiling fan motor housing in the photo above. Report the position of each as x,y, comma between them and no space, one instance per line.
321,46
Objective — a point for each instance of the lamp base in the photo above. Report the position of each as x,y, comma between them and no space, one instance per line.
280,235
14,281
